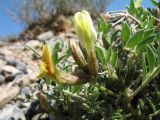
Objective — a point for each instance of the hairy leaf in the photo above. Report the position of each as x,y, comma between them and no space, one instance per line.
125,34
151,58
135,39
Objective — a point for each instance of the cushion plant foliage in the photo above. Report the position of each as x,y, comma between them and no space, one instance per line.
110,73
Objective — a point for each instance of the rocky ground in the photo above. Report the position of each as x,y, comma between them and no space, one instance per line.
18,81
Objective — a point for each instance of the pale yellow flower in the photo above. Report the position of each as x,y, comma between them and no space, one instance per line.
85,29
138,3
49,70
47,67
87,36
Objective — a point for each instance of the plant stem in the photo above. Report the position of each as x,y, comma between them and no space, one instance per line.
74,96
32,49
118,21
127,14
104,89
148,79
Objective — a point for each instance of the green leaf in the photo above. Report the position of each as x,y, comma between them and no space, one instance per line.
144,23
114,59
155,2
140,12
104,26
55,56
158,36
108,55
142,45
131,9
62,57
151,22
101,52
144,68
135,39
141,103
151,104
125,34
55,52
158,55
151,58
148,32
76,88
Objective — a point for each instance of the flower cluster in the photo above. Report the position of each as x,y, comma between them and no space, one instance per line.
87,36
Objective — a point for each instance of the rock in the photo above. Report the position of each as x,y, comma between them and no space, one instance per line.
9,77
40,116
22,67
2,79
16,63
2,63
11,112
45,36
11,61
71,35
5,52
26,91
10,72
34,109
7,93
33,43
26,80
10,69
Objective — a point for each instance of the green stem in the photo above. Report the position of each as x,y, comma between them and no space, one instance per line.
148,79
74,95
104,89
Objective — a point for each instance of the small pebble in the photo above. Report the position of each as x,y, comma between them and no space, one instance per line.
2,79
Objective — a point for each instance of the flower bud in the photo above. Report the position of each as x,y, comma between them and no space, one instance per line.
78,55
87,36
138,3
85,29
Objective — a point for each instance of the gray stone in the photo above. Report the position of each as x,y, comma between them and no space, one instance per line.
57,38
33,43
11,112
22,67
16,63
40,116
2,63
26,79
2,79
11,70
45,36
5,52
71,35
26,90
11,61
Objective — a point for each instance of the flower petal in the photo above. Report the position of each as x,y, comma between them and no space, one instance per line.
47,58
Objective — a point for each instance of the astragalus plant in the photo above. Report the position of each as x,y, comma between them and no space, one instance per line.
115,71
